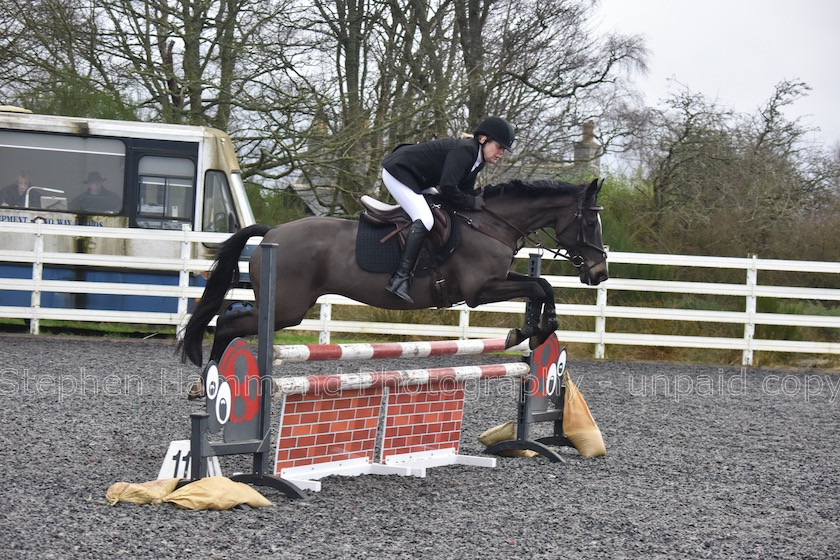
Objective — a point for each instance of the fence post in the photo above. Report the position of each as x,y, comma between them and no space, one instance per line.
749,319
183,281
265,348
326,316
601,321
37,276
464,322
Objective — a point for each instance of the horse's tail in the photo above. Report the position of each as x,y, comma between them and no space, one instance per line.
221,276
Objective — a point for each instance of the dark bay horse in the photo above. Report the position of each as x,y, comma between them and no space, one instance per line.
316,256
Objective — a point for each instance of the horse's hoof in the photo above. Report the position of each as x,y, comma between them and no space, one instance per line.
196,391
538,339
514,337
510,340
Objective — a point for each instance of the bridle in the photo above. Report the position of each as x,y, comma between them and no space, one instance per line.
583,240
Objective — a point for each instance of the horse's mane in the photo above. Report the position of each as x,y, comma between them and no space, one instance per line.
532,189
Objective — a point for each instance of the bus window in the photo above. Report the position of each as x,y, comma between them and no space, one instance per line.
219,215
166,192
56,172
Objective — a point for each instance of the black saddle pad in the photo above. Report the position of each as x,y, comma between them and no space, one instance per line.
374,256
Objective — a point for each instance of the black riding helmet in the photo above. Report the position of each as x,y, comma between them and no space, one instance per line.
498,129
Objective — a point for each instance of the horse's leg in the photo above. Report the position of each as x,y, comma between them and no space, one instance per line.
538,326
530,328
549,315
230,326
537,290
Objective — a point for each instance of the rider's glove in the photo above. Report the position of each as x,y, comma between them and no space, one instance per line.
478,202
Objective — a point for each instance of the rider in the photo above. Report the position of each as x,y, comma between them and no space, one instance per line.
449,164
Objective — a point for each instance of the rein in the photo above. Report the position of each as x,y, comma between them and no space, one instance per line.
489,234
524,236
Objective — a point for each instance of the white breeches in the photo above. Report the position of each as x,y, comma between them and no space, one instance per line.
413,203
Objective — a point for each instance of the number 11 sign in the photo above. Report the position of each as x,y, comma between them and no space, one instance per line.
176,463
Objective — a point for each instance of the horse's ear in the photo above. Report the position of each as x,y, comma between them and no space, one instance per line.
594,188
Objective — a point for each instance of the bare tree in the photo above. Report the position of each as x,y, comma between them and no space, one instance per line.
438,68
49,60
731,184
326,87
217,63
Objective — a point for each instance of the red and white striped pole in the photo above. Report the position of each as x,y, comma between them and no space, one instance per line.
341,352
333,384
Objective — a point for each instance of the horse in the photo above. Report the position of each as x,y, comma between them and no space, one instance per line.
317,256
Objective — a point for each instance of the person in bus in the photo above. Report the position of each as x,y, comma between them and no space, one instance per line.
96,197
15,194
450,165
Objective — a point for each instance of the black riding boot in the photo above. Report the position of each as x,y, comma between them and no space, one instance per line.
400,283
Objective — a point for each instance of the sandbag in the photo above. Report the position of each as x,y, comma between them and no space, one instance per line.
140,493
578,424
504,432
217,493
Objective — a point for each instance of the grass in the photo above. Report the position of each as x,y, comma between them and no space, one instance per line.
106,330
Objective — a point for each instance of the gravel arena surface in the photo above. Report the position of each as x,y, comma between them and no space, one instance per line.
702,462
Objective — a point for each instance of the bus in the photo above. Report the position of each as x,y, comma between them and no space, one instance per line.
113,174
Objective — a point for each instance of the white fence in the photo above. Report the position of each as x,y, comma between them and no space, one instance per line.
750,290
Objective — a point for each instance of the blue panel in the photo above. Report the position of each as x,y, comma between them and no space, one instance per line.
57,299
115,302
15,298
131,302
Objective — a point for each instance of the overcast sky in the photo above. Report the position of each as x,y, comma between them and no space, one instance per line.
736,51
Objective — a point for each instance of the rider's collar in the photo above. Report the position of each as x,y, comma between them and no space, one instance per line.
480,158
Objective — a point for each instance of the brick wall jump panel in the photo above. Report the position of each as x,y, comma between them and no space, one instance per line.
419,419
322,428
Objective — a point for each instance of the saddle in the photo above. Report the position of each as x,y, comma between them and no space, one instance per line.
381,237
378,213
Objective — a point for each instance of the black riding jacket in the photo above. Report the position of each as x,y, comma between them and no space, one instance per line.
445,164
